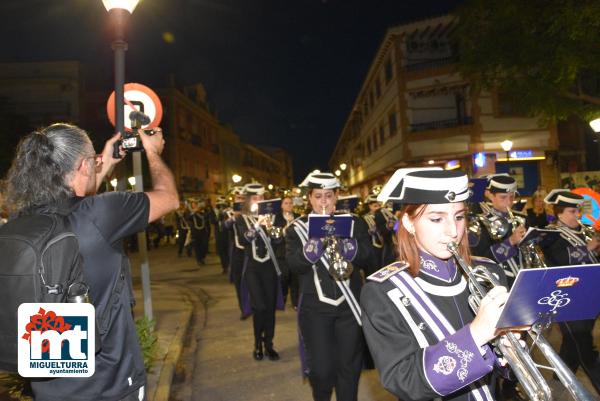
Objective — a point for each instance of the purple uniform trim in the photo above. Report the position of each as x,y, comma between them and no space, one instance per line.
503,251
455,362
250,234
244,294
313,250
349,248
578,255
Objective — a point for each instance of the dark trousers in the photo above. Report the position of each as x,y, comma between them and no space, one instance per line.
200,244
333,344
237,266
577,346
261,280
223,252
294,288
182,234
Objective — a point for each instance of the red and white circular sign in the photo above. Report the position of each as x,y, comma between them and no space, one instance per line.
138,97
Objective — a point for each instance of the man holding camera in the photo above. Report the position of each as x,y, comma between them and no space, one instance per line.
58,166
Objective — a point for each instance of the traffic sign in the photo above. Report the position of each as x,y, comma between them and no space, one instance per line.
138,97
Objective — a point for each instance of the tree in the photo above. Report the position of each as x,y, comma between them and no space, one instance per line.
542,55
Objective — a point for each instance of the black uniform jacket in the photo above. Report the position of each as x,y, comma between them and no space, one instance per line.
298,263
409,369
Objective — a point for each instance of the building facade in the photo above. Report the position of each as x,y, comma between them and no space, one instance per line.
269,166
415,109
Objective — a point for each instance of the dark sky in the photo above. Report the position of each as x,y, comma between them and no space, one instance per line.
281,72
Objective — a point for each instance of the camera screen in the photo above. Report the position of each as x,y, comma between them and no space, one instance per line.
129,142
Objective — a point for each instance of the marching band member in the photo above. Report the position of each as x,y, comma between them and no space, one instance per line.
222,233
200,227
182,217
289,280
261,272
574,247
497,245
328,312
386,221
425,340
377,243
236,247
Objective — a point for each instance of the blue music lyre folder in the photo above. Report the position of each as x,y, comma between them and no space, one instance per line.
339,225
347,203
557,294
269,206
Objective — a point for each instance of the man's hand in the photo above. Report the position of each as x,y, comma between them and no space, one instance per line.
108,161
517,235
153,144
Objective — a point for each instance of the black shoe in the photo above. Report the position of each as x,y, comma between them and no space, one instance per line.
272,354
258,354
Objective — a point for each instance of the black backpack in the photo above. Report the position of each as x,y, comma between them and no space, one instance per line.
39,261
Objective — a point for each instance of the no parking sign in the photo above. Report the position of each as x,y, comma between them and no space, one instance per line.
138,97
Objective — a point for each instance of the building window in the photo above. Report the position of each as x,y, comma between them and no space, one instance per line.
393,124
389,72
371,101
377,88
381,135
374,139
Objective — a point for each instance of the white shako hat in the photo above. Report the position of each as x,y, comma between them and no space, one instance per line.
237,190
426,185
320,181
254,188
501,183
563,197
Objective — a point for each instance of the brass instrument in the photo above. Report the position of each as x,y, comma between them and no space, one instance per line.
526,370
589,232
272,230
339,268
533,257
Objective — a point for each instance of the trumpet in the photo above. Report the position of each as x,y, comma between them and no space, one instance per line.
272,230
525,369
589,232
339,268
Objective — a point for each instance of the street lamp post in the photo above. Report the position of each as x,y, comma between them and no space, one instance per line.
120,11
507,146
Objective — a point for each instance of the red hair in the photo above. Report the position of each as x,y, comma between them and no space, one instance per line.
407,246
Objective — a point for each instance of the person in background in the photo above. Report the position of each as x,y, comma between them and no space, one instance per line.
536,215
182,218
577,245
289,280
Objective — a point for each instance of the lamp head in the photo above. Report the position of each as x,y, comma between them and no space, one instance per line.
506,145
128,5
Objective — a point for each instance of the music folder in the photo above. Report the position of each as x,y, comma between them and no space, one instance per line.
556,294
541,236
322,225
269,206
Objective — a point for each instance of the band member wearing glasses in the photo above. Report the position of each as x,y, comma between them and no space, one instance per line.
425,340
329,311
577,245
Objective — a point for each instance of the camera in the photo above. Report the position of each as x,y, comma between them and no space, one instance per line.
131,141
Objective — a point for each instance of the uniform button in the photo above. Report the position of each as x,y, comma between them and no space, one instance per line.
421,326
405,301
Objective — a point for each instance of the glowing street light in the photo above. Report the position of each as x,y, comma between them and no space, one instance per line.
338,173
131,181
315,171
128,5
343,166
430,162
507,146
595,124
236,178
113,183
270,186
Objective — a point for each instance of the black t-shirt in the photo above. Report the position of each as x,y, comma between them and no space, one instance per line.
100,223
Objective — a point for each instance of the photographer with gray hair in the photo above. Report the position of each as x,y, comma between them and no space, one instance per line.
58,166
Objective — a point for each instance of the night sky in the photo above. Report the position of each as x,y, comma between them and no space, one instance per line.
281,72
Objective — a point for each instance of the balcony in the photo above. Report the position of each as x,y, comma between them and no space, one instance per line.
426,65
451,123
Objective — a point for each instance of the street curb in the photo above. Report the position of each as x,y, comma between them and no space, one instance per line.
169,362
